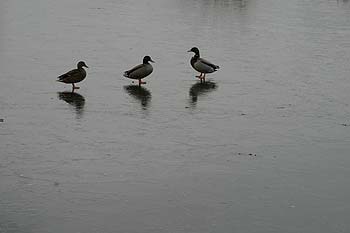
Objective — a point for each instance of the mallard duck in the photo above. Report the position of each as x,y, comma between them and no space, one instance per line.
140,71
74,76
201,65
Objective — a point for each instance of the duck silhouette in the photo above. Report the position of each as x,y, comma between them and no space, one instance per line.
74,76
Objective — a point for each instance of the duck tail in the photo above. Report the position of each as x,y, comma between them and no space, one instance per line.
126,74
61,78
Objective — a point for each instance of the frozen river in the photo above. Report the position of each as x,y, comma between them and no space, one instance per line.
264,147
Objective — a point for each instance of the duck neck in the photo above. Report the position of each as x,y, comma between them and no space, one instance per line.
196,55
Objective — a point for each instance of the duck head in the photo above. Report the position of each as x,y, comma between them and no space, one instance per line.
147,59
82,64
194,50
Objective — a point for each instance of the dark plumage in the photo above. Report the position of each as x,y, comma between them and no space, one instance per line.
74,76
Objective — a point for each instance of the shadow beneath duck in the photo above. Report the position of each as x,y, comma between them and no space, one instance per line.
74,99
201,88
241,4
140,93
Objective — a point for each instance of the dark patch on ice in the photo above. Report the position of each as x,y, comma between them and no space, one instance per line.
246,154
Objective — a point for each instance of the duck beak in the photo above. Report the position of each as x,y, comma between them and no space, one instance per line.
151,61
86,66
189,51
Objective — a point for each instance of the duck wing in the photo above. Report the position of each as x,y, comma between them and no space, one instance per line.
128,72
69,75
208,63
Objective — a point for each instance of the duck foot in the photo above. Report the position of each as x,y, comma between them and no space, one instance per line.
75,88
203,79
138,82
141,82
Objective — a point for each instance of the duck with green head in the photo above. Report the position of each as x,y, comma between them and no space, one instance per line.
140,71
201,65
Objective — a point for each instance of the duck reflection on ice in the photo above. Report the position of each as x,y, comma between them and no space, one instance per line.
240,3
226,4
140,93
74,99
199,89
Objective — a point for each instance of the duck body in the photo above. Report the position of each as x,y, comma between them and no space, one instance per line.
140,71
74,76
201,65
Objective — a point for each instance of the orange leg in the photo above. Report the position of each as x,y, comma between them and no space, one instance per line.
141,82
199,76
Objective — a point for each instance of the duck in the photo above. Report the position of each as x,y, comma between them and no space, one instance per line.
140,71
74,76
201,65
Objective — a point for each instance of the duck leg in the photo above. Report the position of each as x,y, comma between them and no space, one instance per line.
141,82
203,78
74,87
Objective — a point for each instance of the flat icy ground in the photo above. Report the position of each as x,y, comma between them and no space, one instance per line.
263,147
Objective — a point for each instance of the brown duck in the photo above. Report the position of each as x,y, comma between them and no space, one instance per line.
74,76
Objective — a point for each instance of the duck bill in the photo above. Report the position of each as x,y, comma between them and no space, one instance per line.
152,61
86,66
189,51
